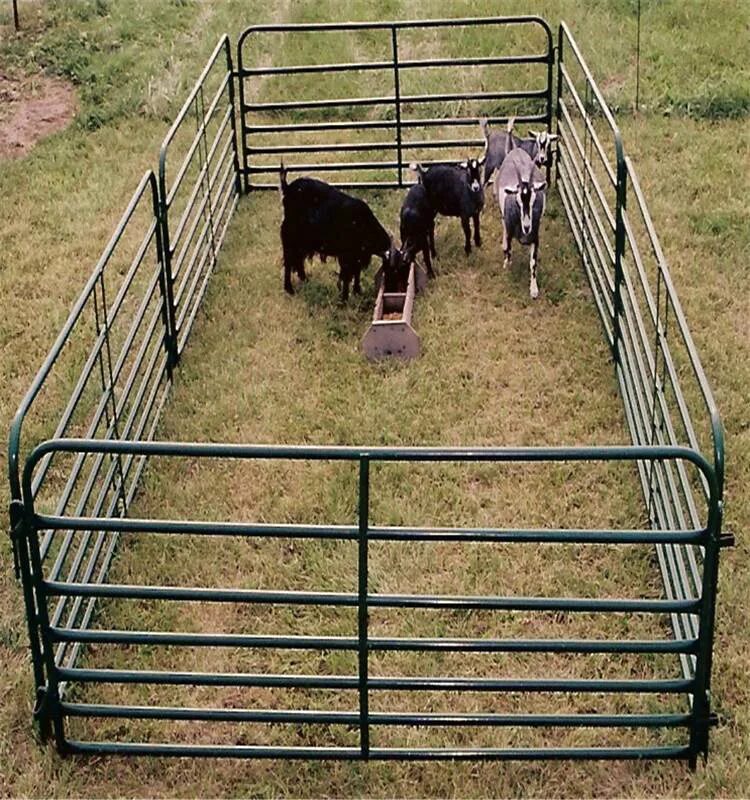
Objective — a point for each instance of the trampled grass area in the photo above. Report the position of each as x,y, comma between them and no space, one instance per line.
497,369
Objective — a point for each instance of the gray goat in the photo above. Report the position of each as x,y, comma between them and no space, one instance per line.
520,191
537,145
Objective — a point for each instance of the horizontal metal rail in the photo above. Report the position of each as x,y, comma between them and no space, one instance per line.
298,105
309,717
132,525
365,66
374,454
380,754
415,24
374,643
381,683
383,124
350,599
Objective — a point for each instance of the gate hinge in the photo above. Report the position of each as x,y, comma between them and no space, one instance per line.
16,530
726,539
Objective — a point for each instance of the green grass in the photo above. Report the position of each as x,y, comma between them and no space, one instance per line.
496,369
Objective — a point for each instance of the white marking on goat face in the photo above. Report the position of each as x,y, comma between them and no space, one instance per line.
474,174
542,145
525,198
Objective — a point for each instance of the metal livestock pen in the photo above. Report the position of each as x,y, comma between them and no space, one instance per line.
74,484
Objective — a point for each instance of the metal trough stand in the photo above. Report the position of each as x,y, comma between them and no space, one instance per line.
395,337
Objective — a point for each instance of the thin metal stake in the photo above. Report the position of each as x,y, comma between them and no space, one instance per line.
364,706
638,58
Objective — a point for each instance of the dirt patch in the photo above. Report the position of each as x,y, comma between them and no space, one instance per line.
32,108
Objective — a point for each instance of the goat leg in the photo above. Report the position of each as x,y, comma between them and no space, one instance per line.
507,242
291,264
533,288
345,277
357,286
345,288
428,261
432,239
477,236
467,234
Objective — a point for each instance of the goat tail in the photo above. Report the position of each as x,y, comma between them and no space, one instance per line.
509,143
484,124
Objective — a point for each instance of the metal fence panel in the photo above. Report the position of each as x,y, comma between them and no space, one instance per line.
407,116
129,327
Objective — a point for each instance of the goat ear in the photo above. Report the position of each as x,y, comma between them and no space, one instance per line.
552,136
414,167
534,133
540,185
481,160
464,164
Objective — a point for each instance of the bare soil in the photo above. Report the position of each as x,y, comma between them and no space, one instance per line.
32,108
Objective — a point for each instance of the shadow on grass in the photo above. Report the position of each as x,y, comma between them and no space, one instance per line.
337,319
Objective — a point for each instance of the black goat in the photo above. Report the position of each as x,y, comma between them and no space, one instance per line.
418,226
321,220
455,190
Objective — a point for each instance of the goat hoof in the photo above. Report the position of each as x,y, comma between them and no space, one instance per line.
534,293
289,289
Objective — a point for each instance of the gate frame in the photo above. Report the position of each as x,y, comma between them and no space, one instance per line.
653,457
396,100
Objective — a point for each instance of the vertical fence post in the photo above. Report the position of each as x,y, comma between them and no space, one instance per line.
701,713
243,120
233,118
362,612
170,341
548,98
19,531
558,106
397,96
173,356
49,699
622,178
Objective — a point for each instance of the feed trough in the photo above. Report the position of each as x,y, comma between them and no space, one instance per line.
391,333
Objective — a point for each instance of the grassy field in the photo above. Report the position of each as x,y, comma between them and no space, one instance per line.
497,368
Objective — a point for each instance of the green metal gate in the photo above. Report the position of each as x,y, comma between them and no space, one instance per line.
72,495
